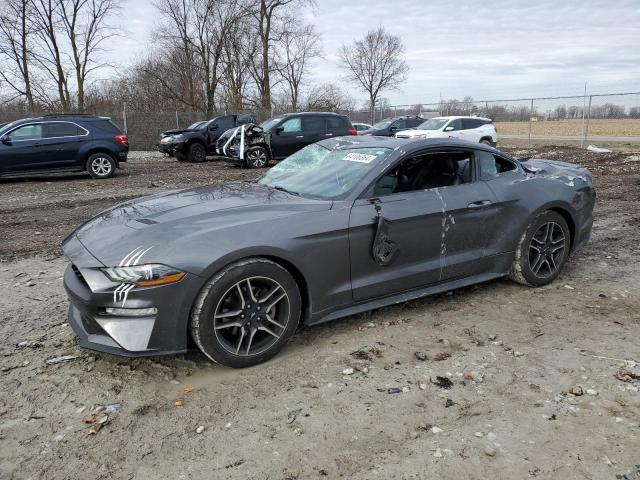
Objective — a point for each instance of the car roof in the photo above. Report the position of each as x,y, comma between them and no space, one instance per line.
62,116
309,113
454,117
376,141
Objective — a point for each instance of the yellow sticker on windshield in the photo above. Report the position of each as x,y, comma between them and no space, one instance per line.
359,157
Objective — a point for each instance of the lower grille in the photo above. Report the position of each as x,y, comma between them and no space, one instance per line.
91,326
79,276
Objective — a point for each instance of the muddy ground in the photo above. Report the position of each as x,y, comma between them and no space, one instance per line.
512,355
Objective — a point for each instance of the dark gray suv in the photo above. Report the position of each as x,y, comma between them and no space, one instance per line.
389,126
62,143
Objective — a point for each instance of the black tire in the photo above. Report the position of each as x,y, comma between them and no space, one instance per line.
256,157
224,317
101,165
542,251
197,153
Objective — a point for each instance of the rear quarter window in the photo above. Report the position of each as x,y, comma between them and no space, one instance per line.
104,125
492,166
337,123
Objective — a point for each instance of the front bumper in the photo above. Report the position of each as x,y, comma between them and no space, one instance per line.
164,333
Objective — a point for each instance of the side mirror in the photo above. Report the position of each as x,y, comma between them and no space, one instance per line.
393,129
279,129
448,129
5,139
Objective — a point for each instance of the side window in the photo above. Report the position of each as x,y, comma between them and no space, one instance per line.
61,129
223,123
399,124
414,122
430,170
26,132
292,125
469,123
313,124
456,124
491,166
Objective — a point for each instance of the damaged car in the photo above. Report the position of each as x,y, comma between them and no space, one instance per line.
254,146
199,139
342,226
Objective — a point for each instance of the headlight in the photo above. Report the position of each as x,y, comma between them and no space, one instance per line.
144,275
165,139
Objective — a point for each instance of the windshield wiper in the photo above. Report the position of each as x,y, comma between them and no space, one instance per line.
282,189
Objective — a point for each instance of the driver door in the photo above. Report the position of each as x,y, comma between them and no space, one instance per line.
415,223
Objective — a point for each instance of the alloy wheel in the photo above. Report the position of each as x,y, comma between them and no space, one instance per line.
251,316
257,158
101,166
546,249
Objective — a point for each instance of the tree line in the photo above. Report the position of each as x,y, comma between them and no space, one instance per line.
207,56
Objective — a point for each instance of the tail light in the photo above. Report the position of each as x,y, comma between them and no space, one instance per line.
122,140
352,131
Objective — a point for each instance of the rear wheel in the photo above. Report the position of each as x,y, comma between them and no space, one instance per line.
246,313
101,165
542,251
197,153
257,157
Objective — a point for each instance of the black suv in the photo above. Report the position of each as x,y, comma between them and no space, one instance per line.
389,126
281,136
55,143
197,141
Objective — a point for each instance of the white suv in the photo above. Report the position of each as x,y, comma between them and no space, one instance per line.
473,129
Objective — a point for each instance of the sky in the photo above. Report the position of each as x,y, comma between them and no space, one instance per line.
484,49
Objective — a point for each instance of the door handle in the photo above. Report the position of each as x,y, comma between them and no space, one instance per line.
328,134
299,136
479,203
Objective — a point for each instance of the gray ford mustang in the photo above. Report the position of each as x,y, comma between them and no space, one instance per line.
342,226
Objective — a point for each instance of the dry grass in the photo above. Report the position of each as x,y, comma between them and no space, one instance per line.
623,127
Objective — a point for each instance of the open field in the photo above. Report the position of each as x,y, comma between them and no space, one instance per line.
614,127
512,354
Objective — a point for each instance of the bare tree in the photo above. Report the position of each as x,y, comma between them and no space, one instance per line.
15,33
375,63
200,29
238,51
49,54
266,15
85,23
329,97
299,46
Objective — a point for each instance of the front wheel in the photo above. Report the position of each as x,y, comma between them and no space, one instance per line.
542,251
197,153
246,313
257,157
101,165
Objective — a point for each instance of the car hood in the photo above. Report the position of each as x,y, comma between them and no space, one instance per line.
176,131
163,223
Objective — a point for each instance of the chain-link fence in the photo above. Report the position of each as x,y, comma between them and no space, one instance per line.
596,117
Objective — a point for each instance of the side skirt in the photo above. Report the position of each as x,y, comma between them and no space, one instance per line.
405,297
